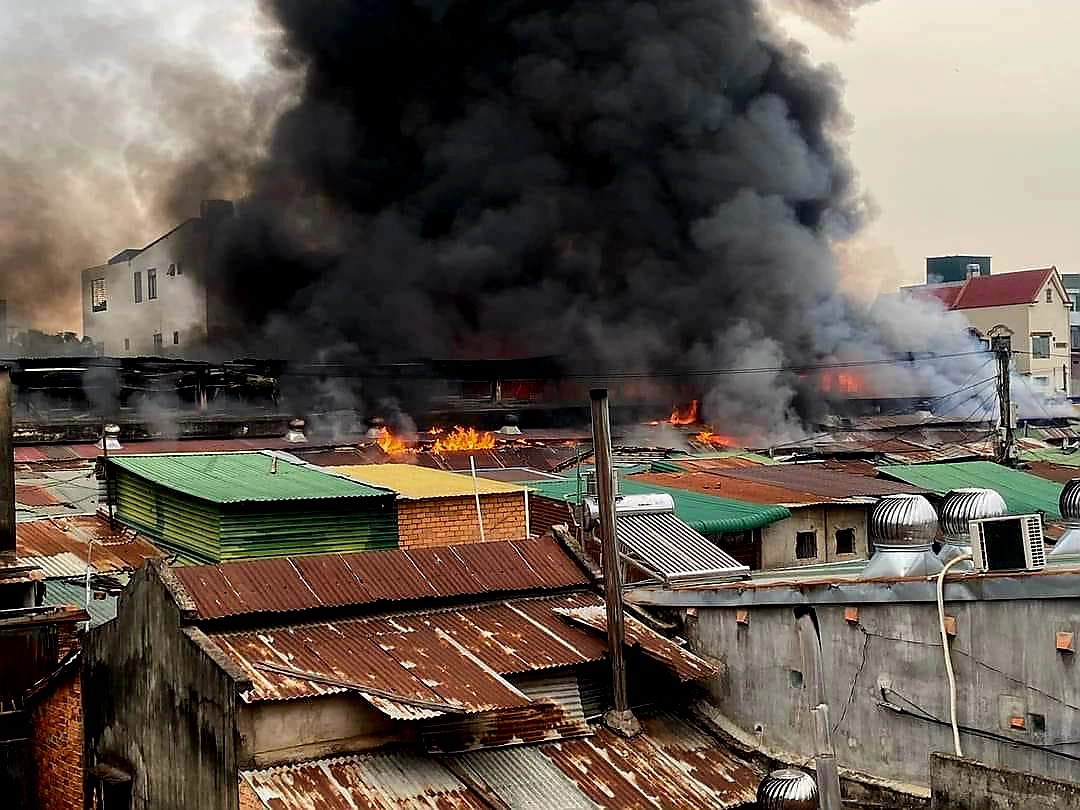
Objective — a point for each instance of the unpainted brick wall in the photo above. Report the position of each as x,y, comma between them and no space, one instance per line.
58,745
448,521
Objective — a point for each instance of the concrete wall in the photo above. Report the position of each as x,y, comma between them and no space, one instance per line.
1004,656
778,539
178,311
963,784
291,731
157,706
446,521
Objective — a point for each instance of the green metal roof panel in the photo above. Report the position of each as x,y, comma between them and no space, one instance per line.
707,514
1023,493
242,477
1052,455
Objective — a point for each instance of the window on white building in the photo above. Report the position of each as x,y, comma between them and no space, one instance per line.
151,283
157,341
1075,332
175,338
1049,295
1040,347
138,286
99,301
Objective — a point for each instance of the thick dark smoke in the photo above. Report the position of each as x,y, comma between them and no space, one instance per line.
629,185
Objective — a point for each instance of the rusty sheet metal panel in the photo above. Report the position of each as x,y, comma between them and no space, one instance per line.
686,665
419,665
531,724
399,781
59,546
505,638
672,765
339,580
526,779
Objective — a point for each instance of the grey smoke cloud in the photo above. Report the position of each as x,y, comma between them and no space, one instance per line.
115,119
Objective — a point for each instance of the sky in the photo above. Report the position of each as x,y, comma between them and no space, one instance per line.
965,115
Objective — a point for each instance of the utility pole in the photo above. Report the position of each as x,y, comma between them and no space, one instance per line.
1002,348
7,470
620,719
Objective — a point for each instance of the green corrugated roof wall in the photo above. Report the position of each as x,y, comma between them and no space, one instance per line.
707,514
203,531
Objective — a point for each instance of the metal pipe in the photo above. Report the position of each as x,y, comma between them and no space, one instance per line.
528,533
828,777
620,719
476,493
949,674
7,469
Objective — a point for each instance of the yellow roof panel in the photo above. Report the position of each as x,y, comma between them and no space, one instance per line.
415,482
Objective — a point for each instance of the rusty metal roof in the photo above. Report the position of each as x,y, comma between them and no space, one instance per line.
399,781
671,765
60,546
341,580
456,657
686,665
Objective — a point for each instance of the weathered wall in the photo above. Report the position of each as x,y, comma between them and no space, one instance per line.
290,731
963,784
446,521
157,706
778,539
57,744
180,305
1004,656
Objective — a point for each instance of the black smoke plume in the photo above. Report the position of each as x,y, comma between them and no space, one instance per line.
628,185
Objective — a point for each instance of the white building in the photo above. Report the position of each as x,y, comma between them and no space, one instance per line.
153,301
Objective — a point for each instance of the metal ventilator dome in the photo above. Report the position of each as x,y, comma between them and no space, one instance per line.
902,528
960,507
1069,506
788,789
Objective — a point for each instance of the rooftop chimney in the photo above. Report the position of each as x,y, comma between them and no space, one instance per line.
7,470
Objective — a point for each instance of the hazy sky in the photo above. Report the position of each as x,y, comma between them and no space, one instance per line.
966,118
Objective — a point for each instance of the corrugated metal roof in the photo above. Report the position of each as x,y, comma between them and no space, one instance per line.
488,641
1023,493
812,478
242,477
339,580
672,765
708,514
64,592
413,482
399,781
666,545
34,496
686,665
725,459
60,546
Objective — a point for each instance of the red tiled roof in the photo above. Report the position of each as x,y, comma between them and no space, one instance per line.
370,577
1007,289
1004,290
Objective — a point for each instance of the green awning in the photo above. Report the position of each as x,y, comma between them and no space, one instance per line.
707,514
1023,493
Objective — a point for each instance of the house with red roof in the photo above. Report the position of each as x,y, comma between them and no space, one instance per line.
1030,307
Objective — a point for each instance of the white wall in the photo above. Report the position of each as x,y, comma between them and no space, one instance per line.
180,306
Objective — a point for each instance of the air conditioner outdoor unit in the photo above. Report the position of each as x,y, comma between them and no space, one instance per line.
1010,543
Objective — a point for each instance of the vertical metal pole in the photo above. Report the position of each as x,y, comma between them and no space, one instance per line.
620,719
105,472
476,493
7,469
828,777
528,532
1002,347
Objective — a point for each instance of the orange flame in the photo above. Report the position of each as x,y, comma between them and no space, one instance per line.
464,439
840,382
686,415
714,439
389,443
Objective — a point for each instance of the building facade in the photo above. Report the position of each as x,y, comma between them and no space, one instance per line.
154,300
1029,307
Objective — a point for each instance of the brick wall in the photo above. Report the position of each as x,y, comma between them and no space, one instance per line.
447,521
57,742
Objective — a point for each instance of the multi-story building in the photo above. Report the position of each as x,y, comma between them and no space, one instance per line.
153,300
1030,307
943,269
1072,287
